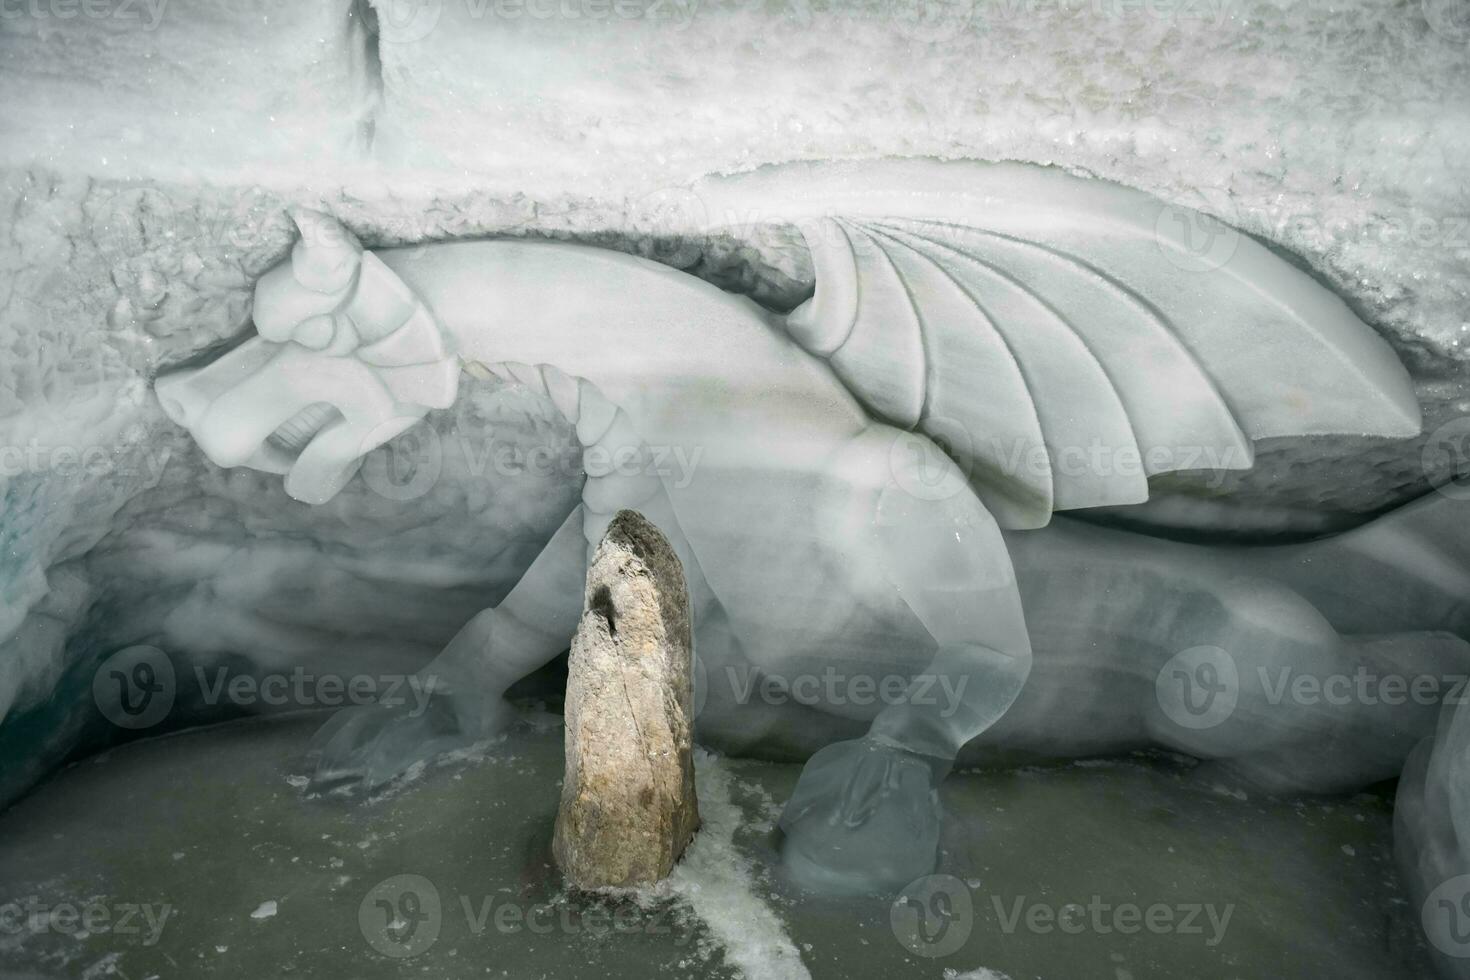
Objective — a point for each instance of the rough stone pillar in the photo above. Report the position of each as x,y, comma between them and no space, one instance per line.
628,807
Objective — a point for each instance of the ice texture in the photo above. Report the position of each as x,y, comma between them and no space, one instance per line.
232,90
819,539
723,886
1333,129
239,832
1430,828
144,203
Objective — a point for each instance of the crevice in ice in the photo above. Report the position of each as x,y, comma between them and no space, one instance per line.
364,48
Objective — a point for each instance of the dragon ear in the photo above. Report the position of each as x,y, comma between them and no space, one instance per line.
326,256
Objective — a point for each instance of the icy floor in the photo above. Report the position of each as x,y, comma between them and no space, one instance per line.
198,855
148,156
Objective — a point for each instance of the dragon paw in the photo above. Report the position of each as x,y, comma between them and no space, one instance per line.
365,746
864,817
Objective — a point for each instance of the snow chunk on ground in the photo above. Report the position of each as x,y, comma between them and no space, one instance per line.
977,974
719,884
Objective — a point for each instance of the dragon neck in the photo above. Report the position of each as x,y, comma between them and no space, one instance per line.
620,321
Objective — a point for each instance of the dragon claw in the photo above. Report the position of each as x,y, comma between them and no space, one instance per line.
864,817
365,746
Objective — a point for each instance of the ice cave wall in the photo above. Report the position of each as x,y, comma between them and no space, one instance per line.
146,162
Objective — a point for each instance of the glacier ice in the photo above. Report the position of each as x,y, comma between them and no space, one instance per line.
818,537
147,186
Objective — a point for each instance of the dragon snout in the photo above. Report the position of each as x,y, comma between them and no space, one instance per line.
282,408
190,395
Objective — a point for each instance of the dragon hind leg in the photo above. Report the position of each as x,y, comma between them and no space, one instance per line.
865,813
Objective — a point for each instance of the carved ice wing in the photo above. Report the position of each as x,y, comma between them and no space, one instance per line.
1066,338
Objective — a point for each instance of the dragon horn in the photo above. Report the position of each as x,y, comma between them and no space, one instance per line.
326,256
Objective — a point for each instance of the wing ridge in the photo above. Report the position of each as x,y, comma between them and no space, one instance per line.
1109,478
1213,421
1028,432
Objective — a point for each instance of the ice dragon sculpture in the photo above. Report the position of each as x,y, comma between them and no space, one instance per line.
1063,340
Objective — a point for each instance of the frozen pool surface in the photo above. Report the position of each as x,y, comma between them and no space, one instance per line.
198,855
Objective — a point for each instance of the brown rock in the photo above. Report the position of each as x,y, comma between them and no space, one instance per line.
628,807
